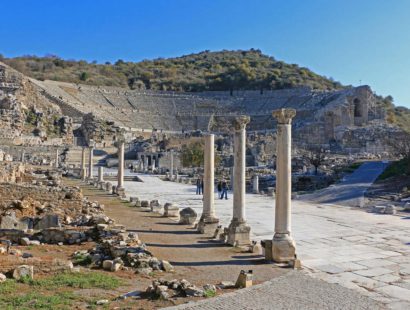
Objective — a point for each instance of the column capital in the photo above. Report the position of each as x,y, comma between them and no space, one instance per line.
284,116
240,122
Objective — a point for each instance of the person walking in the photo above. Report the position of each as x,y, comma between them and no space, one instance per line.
219,188
198,186
224,189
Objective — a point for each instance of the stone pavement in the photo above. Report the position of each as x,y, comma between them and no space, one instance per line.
291,291
350,191
367,252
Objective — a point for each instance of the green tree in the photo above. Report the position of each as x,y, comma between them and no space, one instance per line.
192,155
84,76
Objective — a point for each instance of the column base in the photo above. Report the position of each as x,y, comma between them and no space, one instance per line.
238,234
208,225
120,191
283,248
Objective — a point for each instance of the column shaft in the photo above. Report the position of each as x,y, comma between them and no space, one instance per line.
120,173
100,174
208,204
171,169
283,180
90,163
238,230
239,176
208,222
255,184
283,245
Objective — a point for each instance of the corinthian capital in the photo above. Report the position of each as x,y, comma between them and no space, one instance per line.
240,122
284,116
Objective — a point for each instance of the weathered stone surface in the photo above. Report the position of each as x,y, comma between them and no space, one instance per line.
238,234
187,216
108,265
167,266
171,210
3,278
23,271
390,209
194,291
11,222
48,221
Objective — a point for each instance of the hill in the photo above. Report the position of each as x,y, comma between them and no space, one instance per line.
223,70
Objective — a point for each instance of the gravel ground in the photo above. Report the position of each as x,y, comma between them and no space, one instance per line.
291,291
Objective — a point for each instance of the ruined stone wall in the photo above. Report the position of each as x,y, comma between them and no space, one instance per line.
26,114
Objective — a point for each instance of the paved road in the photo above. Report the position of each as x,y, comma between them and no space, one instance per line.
366,252
292,291
350,191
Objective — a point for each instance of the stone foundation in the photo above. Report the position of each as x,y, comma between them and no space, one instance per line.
238,234
283,248
208,225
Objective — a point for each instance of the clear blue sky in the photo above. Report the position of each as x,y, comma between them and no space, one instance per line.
353,41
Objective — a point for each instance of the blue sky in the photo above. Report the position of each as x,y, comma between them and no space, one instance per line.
355,42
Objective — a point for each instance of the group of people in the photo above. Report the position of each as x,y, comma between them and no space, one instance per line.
222,188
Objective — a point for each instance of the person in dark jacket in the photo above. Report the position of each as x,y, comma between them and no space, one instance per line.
224,189
199,186
219,188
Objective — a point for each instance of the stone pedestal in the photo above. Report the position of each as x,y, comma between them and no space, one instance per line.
238,230
120,191
238,233
283,246
171,210
208,221
120,173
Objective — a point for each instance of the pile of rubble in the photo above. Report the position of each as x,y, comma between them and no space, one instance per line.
118,249
164,289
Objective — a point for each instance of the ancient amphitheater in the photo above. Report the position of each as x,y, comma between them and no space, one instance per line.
338,116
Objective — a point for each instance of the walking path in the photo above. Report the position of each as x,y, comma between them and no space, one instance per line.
291,291
367,252
202,261
350,191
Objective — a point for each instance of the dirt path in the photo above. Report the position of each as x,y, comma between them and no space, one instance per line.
195,257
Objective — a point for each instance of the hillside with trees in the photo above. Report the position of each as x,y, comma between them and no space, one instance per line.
223,70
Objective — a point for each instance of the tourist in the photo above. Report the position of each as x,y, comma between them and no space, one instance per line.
219,188
224,189
198,186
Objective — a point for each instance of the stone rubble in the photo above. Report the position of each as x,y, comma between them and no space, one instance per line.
165,289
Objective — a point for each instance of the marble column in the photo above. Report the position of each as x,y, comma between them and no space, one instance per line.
153,161
283,245
145,163
23,157
255,183
171,168
120,174
90,162
100,174
208,222
238,230
83,170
